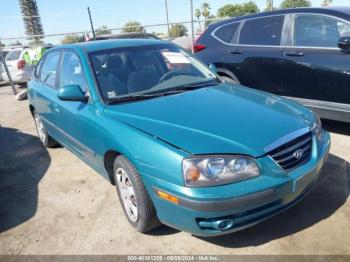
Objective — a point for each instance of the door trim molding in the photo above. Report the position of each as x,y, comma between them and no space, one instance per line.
327,110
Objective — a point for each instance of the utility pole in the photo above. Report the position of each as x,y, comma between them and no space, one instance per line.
2,60
167,16
192,27
91,24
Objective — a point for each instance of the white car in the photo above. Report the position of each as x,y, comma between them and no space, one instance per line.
4,53
19,71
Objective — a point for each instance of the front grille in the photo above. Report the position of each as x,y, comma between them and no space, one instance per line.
286,155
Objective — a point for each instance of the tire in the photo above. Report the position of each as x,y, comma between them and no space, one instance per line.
44,137
133,196
229,79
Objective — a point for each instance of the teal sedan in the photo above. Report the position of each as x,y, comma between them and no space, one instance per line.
182,147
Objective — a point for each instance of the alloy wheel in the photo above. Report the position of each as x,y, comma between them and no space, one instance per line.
40,128
127,194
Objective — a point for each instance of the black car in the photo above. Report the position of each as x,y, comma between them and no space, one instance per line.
301,53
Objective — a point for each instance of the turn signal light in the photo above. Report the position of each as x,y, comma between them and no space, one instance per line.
168,197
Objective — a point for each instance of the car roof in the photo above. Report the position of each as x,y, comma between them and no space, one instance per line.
92,46
340,11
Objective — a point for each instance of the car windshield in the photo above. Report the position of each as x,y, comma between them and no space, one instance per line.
13,55
134,72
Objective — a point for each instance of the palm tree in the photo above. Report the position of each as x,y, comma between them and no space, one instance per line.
269,5
31,19
326,2
197,13
205,10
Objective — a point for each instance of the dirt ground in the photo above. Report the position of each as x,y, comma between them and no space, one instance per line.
53,203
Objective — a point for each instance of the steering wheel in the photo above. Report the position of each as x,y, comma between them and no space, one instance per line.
169,75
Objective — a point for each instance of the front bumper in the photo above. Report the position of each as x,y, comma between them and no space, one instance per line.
223,209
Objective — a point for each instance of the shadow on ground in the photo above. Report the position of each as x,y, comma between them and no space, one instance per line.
23,162
329,195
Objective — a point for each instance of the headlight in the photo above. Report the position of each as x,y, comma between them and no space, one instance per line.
317,126
205,171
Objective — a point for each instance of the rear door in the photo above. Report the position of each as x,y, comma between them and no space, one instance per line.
317,69
44,91
256,58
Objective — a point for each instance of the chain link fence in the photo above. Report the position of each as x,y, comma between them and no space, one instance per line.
174,20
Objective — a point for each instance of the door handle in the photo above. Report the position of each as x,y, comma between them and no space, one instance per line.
294,54
235,52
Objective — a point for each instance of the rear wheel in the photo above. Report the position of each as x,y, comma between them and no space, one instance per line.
134,198
44,137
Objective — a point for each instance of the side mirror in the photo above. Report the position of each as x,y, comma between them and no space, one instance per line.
212,67
71,93
344,43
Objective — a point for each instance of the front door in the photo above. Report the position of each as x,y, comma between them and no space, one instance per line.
76,118
318,70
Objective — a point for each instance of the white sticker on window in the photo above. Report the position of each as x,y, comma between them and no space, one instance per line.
175,58
111,94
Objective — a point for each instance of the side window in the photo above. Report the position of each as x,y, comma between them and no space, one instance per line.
226,32
72,72
49,68
318,30
262,31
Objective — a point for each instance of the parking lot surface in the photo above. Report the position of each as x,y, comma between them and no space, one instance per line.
53,203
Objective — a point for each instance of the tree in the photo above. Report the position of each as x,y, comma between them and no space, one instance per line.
269,6
197,14
17,43
209,21
103,30
230,10
177,30
31,19
206,10
326,2
2,44
295,3
133,26
73,38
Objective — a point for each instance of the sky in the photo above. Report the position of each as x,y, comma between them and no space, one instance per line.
71,15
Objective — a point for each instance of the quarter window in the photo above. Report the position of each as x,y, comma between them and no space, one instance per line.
49,68
262,31
226,32
71,71
318,30
38,68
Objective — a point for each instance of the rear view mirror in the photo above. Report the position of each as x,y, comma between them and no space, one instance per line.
71,93
344,43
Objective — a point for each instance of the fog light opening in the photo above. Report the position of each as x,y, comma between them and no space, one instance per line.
224,224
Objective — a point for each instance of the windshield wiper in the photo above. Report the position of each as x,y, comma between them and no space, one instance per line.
142,96
172,91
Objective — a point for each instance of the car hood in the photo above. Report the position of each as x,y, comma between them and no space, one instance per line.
223,119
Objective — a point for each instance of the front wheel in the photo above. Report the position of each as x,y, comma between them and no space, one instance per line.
134,198
44,137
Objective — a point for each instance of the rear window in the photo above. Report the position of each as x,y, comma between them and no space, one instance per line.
262,31
226,32
13,55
